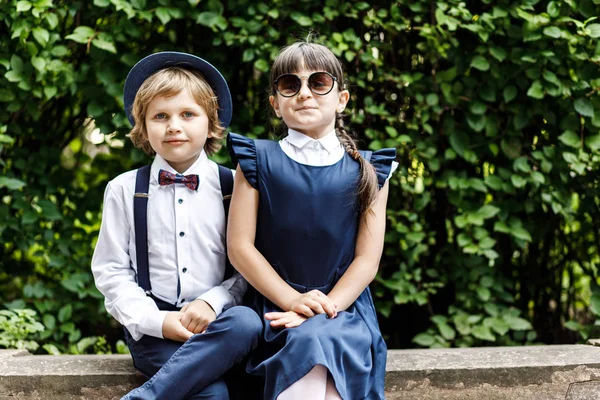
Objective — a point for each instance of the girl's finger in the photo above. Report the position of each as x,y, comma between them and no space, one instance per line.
295,323
326,306
316,307
280,322
273,315
304,310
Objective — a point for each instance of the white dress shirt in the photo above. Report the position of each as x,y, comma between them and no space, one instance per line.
186,242
316,152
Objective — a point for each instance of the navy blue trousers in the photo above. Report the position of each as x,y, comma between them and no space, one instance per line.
194,370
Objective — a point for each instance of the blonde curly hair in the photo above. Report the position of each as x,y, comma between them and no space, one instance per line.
169,82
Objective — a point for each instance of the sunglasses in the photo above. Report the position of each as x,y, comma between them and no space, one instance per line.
320,83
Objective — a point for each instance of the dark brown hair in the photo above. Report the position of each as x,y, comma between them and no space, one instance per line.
169,82
317,57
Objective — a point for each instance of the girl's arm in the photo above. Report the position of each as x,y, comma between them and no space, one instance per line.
369,246
241,232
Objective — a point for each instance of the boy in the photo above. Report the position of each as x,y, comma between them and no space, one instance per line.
163,271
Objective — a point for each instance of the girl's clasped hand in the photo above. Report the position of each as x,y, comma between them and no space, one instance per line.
304,306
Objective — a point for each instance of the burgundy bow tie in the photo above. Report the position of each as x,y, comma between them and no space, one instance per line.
168,178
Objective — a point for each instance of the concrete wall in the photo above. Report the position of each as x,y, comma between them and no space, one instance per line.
523,373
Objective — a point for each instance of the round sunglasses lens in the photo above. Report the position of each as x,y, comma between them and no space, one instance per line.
288,85
320,83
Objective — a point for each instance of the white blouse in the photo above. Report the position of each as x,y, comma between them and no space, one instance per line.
317,152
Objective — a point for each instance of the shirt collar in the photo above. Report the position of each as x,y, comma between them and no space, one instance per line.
329,142
199,167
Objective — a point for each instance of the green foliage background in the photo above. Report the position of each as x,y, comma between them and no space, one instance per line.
492,105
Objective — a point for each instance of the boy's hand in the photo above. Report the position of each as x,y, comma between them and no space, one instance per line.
289,319
197,315
314,302
173,329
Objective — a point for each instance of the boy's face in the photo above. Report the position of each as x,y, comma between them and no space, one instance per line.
177,129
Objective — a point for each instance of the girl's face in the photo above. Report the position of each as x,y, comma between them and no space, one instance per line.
311,114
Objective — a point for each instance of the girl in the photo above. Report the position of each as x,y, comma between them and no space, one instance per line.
306,230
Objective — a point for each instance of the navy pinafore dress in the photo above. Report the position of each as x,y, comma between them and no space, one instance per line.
307,228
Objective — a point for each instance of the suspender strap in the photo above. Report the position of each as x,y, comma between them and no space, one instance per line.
226,180
140,219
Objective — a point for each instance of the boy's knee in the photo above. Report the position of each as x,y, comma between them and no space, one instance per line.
245,325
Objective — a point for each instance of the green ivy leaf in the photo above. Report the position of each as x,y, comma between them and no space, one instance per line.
570,139
516,323
593,142
518,181
6,96
584,107
301,19
208,18
11,183
163,15
536,90
38,63
509,93
593,30
521,164
520,233
64,314
483,333
104,45
261,65
552,31
424,339
446,331
23,6
498,53
483,293
41,35
553,9
499,326
52,20
81,34
480,63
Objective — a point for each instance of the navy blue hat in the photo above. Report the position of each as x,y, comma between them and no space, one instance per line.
157,61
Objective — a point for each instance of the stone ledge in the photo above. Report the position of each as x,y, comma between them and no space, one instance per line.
569,372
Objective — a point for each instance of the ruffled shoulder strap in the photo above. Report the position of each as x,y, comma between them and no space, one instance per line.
381,160
243,152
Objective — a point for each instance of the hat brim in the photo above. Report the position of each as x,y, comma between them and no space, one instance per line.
157,61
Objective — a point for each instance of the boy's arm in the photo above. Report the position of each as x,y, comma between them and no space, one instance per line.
227,294
115,278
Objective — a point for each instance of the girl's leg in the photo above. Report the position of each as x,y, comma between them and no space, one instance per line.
331,392
310,386
204,358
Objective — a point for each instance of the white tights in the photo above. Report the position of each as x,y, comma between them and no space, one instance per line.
317,385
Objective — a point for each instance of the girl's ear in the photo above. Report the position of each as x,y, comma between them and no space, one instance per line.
275,105
343,98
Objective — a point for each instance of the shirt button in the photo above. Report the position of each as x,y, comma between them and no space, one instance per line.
180,201
182,234
184,270
182,301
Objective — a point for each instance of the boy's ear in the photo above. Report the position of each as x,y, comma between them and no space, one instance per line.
275,105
